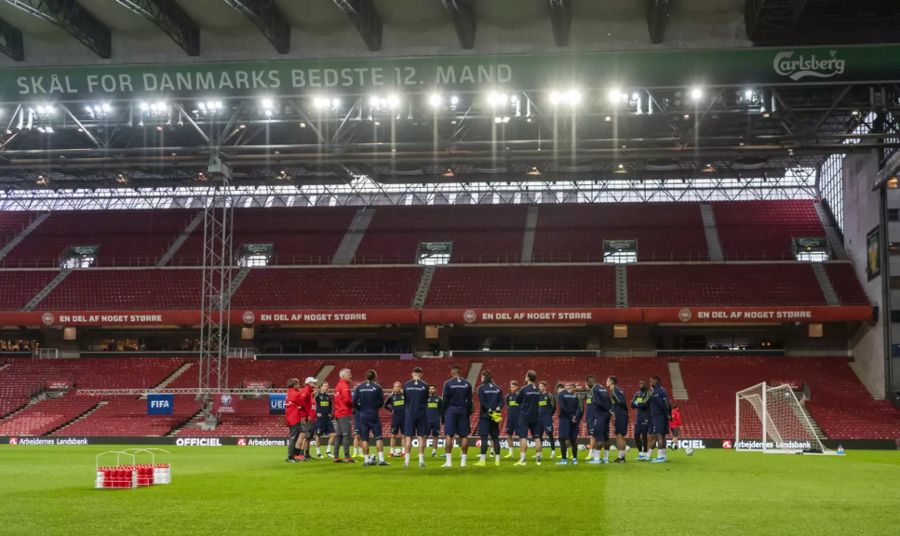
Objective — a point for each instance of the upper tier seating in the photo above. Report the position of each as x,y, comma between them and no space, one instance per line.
12,223
845,283
479,233
523,286
328,287
298,235
575,232
160,288
125,237
723,284
750,230
20,287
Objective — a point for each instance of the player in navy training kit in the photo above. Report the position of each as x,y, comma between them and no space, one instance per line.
546,409
457,409
490,399
368,400
433,418
590,416
324,422
529,421
603,405
415,394
641,402
569,421
660,413
396,405
512,415
357,447
620,412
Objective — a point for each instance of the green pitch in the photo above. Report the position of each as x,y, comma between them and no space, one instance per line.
233,490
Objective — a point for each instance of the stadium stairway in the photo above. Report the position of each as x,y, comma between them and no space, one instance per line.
831,233
712,233
83,416
353,237
621,286
47,289
679,391
172,377
4,251
531,220
34,400
423,287
831,297
474,373
176,244
323,373
195,421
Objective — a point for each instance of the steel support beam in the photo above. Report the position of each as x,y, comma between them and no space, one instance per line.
658,12
561,21
266,16
74,19
171,19
463,14
366,19
11,42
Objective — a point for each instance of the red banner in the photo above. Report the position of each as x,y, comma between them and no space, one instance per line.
301,317
740,315
558,315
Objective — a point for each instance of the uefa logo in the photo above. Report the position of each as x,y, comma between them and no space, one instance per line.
469,316
47,319
249,317
685,315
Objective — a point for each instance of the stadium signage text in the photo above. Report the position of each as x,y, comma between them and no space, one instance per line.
198,442
671,68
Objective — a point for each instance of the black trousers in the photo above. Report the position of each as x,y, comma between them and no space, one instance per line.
292,439
489,429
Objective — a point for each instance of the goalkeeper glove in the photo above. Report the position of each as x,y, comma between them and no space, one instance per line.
496,416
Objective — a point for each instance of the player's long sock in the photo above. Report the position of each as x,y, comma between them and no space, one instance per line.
565,450
449,457
406,458
462,460
482,457
661,453
381,456
522,456
421,457
621,454
606,455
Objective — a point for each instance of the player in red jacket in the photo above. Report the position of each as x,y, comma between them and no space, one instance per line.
675,426
307,405
343,417
294,414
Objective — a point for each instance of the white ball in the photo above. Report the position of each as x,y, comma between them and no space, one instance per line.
689,451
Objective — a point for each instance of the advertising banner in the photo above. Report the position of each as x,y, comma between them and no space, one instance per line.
740,315
873,253
160,404
561,315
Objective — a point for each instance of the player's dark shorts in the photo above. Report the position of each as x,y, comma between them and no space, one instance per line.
512,423
601,427
308,428
641,426
398,424
526,427
415,426
456,424
567,428
659,425
487,427
676,431
621,425
433,428
591,423
324,426
546,426
369,424
356,423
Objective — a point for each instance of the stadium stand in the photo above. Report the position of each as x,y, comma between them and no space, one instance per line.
750,230
523,286
114,231
575,232
12,223
661,285
20,286
845,284
47,415
479,233
160,288
127,416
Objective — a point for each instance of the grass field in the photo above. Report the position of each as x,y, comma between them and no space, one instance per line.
250,490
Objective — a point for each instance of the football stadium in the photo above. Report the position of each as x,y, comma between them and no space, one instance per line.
449,266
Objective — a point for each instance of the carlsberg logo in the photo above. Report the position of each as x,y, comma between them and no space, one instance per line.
799,66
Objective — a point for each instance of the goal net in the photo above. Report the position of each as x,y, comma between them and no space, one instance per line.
771,419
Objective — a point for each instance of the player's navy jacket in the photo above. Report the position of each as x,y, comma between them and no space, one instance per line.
457,397
416,394
368,398
323,406
396,404
513,405
490,397
569,406
600,399
589,410
527,397
618,400
546,406
659,403
641,402
433,410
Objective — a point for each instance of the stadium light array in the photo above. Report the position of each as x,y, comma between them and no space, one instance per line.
496,99
696,93
570,97
435,100
267,106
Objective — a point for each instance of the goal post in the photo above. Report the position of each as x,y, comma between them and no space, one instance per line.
771,419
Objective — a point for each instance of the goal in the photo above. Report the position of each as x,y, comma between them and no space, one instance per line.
771,419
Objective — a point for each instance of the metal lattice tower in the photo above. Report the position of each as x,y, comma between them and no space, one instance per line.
216,298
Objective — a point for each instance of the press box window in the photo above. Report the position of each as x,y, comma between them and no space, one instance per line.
254,255
434,253
619,251
80,257
811,249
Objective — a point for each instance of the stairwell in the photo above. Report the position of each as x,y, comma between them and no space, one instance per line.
621,285
422,290
323,373
831,297
815,426
176,245
531,219
33,302
4,251
353,237
237,280
80,417
195,421
712,233
679,391
172,377
5,366
34,400
474,373
831,233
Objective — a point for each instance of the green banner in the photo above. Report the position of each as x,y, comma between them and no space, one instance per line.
676,68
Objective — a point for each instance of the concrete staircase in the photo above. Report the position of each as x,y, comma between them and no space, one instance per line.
679,391
237,280
422,290
474,373
353,237
4,251
176,245
712,233
34,400
528,240
83,416
815,426
195,421
172,377
621,286
825,284
323,373
831,233
46,290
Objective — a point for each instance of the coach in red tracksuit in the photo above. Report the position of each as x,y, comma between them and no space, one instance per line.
294,413
343,415
675,425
